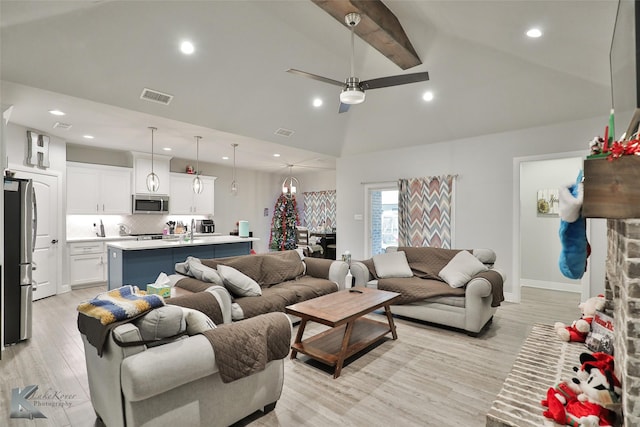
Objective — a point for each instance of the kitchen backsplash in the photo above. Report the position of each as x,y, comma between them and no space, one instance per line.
79,226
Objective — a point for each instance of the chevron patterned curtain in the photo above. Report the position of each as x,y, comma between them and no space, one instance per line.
320,210
424,211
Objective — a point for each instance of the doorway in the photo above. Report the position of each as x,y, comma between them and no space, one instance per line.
46,253
536,243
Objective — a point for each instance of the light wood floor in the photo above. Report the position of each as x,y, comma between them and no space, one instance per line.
430,376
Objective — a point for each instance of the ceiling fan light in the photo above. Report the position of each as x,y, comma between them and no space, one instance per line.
352,96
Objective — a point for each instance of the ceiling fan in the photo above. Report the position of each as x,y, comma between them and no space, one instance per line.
352,88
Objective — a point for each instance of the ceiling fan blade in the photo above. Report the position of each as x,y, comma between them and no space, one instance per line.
315,77
343,108
401,79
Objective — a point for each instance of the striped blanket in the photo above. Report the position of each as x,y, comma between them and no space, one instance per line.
119,304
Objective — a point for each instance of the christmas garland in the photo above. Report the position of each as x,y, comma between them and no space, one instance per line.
610,148
615,149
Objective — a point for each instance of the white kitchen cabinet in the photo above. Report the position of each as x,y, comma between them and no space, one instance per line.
87,263
98,189
142,168
183,201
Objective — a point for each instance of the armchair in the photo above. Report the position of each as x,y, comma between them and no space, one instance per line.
177,383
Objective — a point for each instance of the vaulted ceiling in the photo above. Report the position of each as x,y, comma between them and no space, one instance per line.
92,59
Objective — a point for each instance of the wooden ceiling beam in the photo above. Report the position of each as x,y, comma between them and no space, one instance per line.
378,26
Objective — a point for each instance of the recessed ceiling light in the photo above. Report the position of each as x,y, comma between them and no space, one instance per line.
88,136
428,96
225,157
56,112
187,47
276,155
534,33
167,148
317,102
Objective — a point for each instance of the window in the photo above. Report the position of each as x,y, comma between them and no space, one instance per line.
382,218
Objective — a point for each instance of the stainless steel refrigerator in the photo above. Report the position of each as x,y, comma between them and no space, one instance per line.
20,227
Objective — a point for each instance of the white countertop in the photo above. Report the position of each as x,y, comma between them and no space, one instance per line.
165,243
123,238
99,239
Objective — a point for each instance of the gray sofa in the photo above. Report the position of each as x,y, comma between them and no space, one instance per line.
179,382
283,278
426,296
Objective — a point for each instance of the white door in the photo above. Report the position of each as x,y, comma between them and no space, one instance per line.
45,254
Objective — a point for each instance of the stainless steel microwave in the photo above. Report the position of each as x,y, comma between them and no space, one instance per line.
148,204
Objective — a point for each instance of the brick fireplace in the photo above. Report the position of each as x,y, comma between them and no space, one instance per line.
623,298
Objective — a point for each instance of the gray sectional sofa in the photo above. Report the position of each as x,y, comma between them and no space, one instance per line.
422,276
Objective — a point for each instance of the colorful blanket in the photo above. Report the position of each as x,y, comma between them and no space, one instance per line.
119,304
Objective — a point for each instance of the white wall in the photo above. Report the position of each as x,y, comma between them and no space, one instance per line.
540,246
316,180
17,145
484,199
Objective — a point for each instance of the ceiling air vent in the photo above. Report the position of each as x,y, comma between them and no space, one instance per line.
155,96
60,125
284,132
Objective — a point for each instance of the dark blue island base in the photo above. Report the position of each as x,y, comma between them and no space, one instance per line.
141,267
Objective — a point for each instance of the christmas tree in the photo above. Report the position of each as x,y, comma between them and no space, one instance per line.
283,224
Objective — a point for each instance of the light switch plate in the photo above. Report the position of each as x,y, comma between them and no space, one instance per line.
357,217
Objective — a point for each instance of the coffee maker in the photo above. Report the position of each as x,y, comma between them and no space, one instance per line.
207,226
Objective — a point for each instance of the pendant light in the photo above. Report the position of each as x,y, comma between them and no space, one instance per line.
153,182
234,183
197,185
290,184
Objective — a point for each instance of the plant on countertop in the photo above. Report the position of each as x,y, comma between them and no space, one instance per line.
283,224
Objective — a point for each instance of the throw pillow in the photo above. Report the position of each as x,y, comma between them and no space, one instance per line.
238,283
162,322
197,321
183,267
204,273
392,264
461,269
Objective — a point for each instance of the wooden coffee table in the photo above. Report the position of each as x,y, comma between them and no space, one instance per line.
350,332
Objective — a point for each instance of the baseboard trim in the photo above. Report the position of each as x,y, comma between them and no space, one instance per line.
553,286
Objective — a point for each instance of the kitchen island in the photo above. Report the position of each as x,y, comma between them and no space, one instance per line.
140,262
